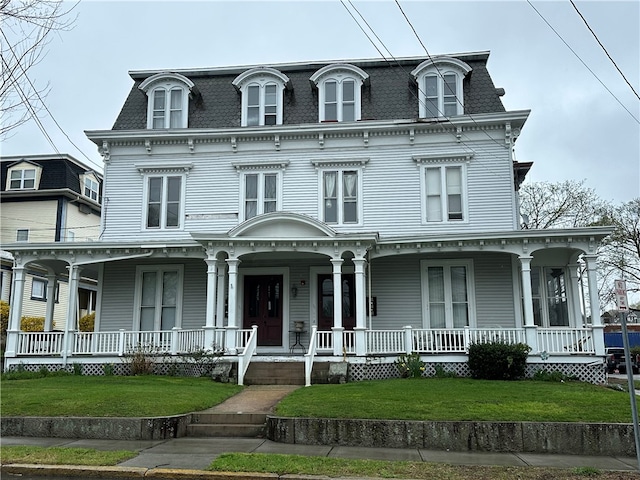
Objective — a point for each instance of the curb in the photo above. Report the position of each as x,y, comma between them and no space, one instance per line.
146,473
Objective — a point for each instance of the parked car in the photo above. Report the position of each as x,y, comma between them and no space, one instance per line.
616,361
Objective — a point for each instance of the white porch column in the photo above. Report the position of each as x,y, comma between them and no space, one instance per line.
222,287
4,291
337,306
232,323
210,312
72,312
594,303
530,329
51,301
574,274
360,328
15,313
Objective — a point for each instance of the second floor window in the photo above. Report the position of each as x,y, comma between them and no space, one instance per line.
22,179
444,192
340,196
38,289
164,202
22,235
260,194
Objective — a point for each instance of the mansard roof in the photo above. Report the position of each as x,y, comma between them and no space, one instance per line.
390,93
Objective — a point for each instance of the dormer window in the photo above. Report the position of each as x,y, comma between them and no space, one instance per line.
262,91
23,176
339,92
168,100
440,87
90,187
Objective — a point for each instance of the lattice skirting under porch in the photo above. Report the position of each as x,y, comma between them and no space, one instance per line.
97,369
378,371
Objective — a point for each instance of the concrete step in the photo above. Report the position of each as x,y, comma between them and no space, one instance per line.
276,373
207,424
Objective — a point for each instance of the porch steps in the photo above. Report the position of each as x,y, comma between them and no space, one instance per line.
229,424
284,373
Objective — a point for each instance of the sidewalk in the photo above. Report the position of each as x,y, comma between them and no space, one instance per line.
191,455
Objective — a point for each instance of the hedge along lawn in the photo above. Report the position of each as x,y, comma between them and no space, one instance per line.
111,396
459,399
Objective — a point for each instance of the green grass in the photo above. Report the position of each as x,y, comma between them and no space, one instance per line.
63,456
458,399
111,396
339,467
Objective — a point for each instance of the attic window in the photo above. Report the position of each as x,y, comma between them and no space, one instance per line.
90,187
440,84
262,90
23,176
339,92
168,100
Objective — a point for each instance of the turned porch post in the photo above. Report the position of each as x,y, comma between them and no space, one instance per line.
337,306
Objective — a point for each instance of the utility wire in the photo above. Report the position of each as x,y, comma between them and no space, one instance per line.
30,107
604,49
582,61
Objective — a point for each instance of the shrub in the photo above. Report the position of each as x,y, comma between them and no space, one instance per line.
543,375
108,369
410,366
4,317
442,373
498,360
32,324
87,322
141,359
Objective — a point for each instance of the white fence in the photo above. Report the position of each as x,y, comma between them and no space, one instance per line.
565,341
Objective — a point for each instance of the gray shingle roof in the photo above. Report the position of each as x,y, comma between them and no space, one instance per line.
391,93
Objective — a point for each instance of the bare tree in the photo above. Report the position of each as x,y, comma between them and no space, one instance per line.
620,257
567,204
27,26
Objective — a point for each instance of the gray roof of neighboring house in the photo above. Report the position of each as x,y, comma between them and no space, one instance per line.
391,93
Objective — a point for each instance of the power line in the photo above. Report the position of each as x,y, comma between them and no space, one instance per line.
582,61
604,49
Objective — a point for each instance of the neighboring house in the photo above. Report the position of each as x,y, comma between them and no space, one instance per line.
45,199
354,210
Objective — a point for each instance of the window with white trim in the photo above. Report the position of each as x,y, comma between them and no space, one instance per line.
38,289
549,295
261,193
440,87
262,91
22,179
22,235
158,297
448,293
340,196
444,193
339,92
164,201
91,188
168,100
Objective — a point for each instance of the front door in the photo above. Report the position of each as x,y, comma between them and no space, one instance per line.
325,302
263,307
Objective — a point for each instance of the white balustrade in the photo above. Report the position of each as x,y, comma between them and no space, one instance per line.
566,341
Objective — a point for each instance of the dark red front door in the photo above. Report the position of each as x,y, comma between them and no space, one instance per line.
325,302
263,307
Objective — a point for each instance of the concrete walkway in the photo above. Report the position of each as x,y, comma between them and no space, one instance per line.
187,456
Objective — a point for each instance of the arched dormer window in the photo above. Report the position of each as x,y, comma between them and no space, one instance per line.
262,90
168,104
339,92
440,86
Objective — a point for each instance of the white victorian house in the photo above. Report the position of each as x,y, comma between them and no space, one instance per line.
342,211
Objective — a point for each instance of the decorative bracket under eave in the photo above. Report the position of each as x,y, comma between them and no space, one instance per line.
104,151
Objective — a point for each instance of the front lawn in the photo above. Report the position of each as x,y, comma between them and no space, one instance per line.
458,399
111,396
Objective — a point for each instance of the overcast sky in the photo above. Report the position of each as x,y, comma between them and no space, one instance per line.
577,128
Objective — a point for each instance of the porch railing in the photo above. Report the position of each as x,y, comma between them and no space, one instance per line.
559,341
244,358
310,355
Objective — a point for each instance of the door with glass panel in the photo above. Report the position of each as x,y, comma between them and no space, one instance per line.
263,307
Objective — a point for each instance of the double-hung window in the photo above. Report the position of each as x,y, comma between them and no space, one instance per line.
444,193
262,91
168,100
340,194
440,87
447,293
339,92
164,202
260,193
90,187
158,297
38,289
